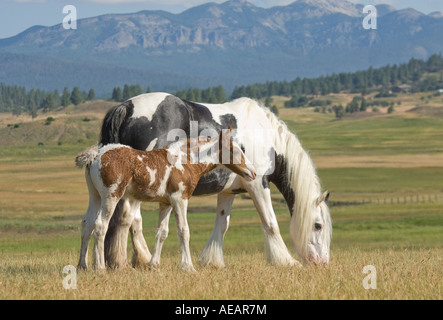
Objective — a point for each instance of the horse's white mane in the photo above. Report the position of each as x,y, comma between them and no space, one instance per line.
303,179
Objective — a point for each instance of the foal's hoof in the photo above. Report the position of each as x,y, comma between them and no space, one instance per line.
153,266
188,268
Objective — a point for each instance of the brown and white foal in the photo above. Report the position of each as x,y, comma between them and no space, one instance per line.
168,176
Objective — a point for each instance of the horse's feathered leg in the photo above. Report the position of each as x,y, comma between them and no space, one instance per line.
275,249
116,240
212,254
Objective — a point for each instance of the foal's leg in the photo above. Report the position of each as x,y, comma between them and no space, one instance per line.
140,252
212,254
180,208
162,233
88,221
275,249
101,226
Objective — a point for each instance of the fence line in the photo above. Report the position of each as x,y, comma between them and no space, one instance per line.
407,199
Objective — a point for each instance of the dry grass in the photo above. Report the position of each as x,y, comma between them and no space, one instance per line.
406,274
90,108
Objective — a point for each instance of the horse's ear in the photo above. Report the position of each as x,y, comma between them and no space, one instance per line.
324,197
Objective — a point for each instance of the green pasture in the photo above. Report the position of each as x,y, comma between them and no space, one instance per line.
371,136
381,183
43,206
384,208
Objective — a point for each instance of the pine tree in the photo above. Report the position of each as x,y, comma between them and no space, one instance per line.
274,109
134,90
206,95
91,95
126,92
48,103
17,110
76,96
363,105
57,98
197,94
33,111
339,111
117,95
66,97
220,94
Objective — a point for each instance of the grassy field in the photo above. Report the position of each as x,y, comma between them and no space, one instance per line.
384,173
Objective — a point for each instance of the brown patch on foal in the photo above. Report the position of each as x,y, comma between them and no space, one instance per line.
189,176
142,183
116,170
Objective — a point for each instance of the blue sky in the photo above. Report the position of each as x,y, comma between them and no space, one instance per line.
18,15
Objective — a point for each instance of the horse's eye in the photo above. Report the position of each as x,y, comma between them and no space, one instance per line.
317,226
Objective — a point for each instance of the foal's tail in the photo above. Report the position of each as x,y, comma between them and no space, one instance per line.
85,158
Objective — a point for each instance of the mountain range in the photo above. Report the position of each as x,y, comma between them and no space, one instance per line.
231,43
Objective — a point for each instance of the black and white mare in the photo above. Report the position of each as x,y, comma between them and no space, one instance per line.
154,120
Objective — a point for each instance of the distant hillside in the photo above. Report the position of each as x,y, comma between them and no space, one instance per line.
72,125
414,76
76,127
232,43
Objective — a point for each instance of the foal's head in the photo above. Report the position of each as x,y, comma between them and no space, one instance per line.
232,157
218,151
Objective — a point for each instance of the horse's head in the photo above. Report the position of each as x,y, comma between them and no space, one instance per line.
232,157
312,237
320,238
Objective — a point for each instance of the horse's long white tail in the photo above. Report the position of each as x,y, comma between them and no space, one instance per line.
85,158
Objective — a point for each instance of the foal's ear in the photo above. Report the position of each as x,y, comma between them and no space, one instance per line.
324,197
229,133
226,134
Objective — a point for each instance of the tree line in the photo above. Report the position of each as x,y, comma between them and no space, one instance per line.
18,100
357,82
210,95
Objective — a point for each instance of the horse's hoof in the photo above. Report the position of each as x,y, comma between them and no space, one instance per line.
82,267
296,264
